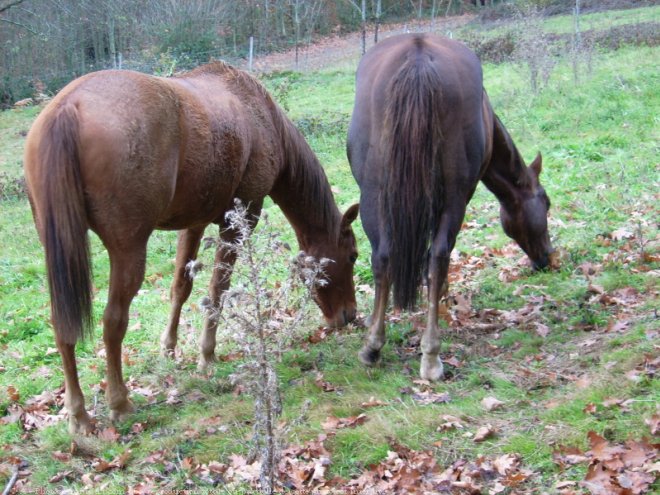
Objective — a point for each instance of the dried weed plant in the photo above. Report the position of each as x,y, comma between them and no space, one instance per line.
263,315
533,47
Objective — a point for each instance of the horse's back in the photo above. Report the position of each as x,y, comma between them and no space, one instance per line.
161,152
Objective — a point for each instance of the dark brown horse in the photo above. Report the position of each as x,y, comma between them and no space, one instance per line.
123,153
422,135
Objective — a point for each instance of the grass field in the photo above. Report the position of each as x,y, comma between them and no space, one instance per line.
566,352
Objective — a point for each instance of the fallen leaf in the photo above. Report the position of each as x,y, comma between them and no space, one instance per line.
621,234
108,434
61,456
541,329
505,464
335,423
450,423
491,403
583,382
484,433
429,397
452,361
372,403
654,424
589,408
13,394
60,476
325,385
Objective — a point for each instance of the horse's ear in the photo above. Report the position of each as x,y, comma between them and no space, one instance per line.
350,216
537,165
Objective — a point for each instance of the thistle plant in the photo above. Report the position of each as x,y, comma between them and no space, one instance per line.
262,316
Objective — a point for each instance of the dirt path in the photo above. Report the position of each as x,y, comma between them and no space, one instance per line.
342,51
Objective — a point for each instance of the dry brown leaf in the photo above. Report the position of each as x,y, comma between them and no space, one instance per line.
484,433
188,464
60,476
429,397
13,394
491,403
621,234
654,424
335,423
453,361
583,382
61,456
450,423
372,402
108,434
324,385
541,329
505,464
589,408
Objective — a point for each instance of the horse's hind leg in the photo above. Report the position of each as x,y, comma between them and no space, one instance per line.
222,270
186,251
126,274
74,401
431,366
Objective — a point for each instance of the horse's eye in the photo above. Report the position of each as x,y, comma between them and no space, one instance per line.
353,258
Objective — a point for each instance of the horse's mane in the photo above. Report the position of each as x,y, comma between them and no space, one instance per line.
505,151
305,174
231,74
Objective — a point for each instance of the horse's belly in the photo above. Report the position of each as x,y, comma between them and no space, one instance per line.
196,206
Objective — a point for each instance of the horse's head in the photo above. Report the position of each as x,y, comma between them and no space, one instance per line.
337,298
525,220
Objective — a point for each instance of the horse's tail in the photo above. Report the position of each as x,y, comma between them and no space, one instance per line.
411,199
63,220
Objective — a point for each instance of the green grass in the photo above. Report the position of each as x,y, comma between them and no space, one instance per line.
599,143
598,20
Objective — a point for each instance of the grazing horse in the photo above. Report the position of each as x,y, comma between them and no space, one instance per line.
422,135
124,153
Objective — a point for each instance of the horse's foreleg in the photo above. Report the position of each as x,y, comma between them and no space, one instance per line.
74,401
186,251
220,280
431,366
126,274
370,352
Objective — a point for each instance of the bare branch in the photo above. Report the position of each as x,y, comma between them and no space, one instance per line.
8,5
27,28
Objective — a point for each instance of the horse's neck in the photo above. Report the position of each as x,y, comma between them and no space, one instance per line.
303,193
506,174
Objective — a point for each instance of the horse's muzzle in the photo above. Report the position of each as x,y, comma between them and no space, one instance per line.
543,262
342,318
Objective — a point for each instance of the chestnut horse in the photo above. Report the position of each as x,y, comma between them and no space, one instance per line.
422,135
124,153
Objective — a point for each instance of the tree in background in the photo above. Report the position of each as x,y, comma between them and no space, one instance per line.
47,43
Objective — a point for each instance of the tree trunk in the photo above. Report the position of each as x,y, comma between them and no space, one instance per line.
364,26
296,19
379,11
112,48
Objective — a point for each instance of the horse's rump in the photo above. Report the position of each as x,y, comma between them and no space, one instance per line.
411,200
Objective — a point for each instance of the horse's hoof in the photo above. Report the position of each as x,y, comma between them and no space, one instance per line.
205,361
167,353
82,425
122,412
368,356
431,368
